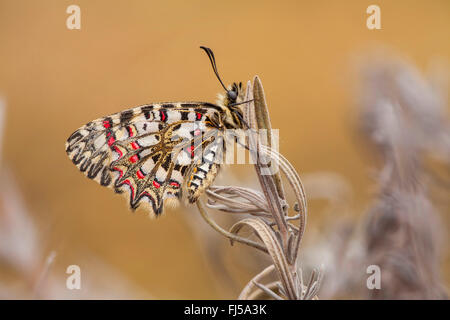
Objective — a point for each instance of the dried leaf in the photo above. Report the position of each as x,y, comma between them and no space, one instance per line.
274,248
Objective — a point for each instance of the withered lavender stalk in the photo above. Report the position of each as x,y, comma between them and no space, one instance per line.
270,220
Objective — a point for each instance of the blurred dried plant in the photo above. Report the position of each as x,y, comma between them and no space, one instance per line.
267,211
405,117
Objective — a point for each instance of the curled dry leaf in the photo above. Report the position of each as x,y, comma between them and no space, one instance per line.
267,235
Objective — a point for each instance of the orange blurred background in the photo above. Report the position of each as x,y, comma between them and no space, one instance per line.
128,53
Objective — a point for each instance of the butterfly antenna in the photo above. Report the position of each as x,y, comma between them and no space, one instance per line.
213,64
238,103
242,119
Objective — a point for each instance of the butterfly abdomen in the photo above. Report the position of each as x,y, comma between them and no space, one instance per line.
203,174
202,177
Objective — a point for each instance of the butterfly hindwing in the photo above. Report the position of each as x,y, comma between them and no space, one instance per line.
137,151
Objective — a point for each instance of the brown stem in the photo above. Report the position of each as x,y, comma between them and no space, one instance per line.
231,236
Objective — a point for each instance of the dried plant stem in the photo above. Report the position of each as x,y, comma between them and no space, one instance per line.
269,289
44,274
258,294
297,186
267,235
231,236
271,184
251,284
270,220
263,122
234,202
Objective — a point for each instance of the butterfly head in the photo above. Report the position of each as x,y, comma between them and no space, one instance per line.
234,96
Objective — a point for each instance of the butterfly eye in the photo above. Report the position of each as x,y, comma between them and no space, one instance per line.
232,95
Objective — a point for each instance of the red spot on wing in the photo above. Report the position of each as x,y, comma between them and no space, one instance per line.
118,151
131,187
135,146
156,184
148,195
111,141
120,172
130,131
106,124
197,132
198,115
140,174
134,158
175,184
126,181
163,115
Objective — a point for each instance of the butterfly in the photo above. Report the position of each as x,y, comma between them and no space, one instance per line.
155,153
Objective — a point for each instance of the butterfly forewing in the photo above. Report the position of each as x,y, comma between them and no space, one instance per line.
146,152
